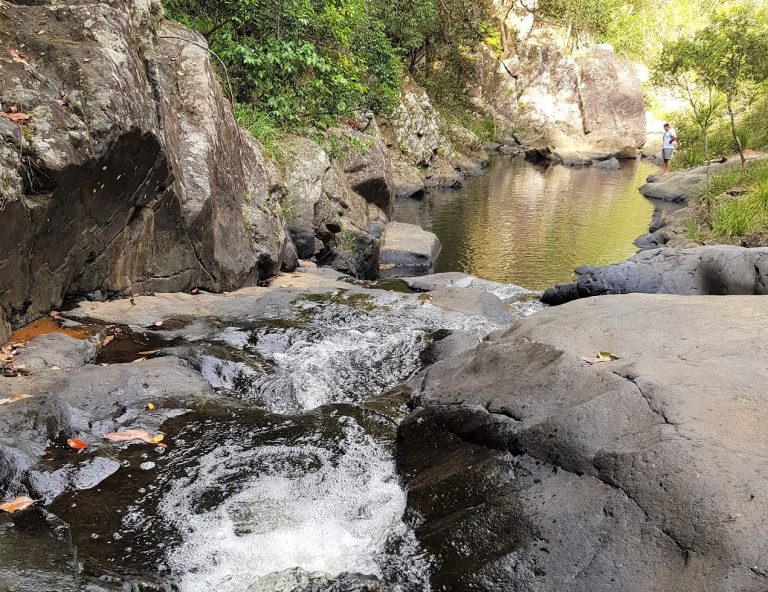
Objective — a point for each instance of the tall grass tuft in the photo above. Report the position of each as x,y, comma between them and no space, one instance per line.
736,217
261,127
740,216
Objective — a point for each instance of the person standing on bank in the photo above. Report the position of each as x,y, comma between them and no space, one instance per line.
668,147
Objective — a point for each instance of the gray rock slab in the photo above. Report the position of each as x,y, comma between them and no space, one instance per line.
408,247
531,469
55,349
708,270
472,301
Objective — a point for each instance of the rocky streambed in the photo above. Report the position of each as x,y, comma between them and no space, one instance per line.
278,409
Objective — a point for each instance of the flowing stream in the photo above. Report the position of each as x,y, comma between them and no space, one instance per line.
293,482
289,483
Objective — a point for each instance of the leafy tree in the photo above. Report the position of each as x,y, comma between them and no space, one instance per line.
680,66
732,57
299,61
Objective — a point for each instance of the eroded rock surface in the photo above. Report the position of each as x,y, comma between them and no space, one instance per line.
709,270
530,469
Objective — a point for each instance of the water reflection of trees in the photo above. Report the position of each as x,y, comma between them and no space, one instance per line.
527,225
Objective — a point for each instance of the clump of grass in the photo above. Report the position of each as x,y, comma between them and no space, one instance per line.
720,183
736,217
261,127
693,230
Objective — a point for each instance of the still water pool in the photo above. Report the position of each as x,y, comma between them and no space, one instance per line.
529,225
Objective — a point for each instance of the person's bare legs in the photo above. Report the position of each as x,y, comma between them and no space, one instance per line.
665,172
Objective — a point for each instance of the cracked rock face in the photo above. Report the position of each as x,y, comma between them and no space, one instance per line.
131,174
530,469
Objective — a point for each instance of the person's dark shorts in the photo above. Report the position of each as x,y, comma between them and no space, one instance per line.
666,153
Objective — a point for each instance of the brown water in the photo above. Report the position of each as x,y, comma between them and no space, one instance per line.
523,224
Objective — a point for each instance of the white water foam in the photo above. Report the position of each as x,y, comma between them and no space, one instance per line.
345,354
304,506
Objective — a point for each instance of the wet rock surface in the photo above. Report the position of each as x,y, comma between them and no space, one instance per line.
530,469
278,409
709,270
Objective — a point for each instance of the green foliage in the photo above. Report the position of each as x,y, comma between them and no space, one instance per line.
693,230
339,146
756,177
262,127
727,59
737,216
299,62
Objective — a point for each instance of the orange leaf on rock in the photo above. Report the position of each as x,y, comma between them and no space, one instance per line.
20,503
15,398
77,444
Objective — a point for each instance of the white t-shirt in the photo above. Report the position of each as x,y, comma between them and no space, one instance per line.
668,135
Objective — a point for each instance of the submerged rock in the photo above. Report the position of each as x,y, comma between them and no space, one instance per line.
530,469
300,580
407,249
710,270
611,164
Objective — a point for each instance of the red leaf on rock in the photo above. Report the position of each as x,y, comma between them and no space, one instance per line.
77,444
17,56
19,118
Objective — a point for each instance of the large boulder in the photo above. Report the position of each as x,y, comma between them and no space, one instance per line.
407,249
709,270
327,219
131,174
584,105
366,162
612,103
531,469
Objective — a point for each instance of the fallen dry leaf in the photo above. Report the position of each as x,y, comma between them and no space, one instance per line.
15,398
150,352
20,503
55,368
151,406
107,339
601,357
77,444
137,434
55,314
386,265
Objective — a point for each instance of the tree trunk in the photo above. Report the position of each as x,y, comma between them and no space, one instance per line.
705,131
739,147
